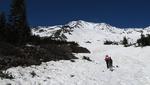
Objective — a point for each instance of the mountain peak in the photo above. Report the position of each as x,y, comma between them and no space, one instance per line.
85,24
75,23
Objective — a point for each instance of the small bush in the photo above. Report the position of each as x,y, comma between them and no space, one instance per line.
72,60
6,75
125,42
33,74
144,40
88,42
72,75
110,43
86,58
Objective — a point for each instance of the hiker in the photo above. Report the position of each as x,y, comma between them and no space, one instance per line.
109,61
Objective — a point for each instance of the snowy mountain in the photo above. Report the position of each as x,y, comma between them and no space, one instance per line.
131,64
82,31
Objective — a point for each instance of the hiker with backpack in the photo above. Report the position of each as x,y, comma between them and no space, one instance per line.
109,61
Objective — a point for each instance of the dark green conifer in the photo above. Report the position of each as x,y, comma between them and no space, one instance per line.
18,23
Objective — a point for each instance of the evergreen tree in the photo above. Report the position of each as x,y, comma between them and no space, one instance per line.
148,39
18,25
2,26
144,40
125,41
140,41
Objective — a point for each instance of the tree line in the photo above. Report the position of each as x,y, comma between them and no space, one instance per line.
144,40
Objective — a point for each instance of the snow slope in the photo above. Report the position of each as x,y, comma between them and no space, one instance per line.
133,63
133,69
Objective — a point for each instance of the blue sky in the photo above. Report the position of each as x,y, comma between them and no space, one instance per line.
119,13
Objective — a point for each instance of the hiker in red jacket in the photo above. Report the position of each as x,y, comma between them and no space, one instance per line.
108,61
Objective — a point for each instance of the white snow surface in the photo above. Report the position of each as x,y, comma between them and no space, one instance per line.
133,62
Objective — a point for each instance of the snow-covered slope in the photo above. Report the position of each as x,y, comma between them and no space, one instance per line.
133,69
82,31
45,31
132,62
